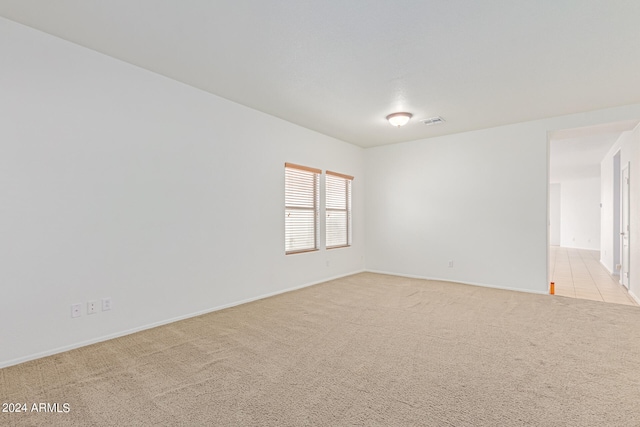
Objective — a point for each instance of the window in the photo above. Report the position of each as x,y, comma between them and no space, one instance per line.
338,209
301,194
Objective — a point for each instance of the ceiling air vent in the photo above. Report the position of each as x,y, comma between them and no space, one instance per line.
433,121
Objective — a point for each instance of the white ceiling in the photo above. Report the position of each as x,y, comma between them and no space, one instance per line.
339,67
577,153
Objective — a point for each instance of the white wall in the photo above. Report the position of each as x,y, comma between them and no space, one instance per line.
633,151
580,214
555,212
117,182
476,198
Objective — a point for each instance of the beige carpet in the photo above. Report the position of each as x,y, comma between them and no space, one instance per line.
366,350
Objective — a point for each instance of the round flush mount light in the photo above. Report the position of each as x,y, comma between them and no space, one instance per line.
399,119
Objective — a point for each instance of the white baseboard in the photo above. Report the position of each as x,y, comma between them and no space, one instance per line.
613,273
581,248
484,285
634,296
62,349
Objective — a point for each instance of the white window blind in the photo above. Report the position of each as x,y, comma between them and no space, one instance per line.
338,209
301,208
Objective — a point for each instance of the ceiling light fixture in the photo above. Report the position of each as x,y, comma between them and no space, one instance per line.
399,119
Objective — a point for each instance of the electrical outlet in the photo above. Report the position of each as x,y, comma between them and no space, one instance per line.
450,264
76,310
106,304
92,307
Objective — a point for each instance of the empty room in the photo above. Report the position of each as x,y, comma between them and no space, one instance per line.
326,213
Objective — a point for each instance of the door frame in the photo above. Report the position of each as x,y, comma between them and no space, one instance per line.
617,217
625,211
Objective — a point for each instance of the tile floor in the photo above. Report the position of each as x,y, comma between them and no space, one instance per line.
577,273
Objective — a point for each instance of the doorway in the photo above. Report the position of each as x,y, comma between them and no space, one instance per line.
589,210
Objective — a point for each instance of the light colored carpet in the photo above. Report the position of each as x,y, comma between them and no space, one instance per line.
367,349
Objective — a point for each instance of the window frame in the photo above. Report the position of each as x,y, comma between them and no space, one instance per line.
316,207
347,209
